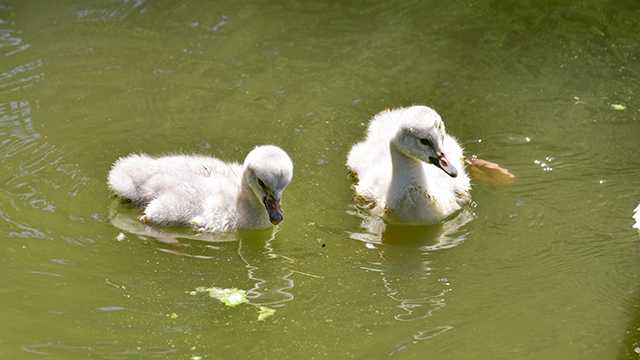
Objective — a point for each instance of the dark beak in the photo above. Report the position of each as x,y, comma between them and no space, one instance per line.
273,209
442,162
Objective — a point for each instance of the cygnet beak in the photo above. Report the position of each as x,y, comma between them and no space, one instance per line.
444,164
273,209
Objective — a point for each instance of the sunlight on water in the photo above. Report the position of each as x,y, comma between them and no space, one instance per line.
116,10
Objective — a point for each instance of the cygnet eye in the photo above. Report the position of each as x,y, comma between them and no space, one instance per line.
261,183
425,142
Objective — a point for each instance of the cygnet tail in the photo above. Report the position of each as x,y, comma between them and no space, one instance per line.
128,174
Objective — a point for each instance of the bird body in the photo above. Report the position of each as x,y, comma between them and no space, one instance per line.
408,168
205,192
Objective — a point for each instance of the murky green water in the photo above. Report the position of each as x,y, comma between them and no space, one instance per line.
545,269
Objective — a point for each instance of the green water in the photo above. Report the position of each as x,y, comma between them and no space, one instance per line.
547,268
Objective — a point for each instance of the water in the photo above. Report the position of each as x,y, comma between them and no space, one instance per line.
545,268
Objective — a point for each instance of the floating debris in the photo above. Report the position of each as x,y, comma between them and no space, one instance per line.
121,237
233,297
230,297
489,172
265,312
172,315
618,107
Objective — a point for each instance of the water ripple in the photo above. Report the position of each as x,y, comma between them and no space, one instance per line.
21,230
11,42
119,10
21,77
103,349
26,156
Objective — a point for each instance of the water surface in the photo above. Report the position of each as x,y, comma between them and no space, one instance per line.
546,268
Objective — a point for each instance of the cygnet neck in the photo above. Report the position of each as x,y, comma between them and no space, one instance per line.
248,203
405,170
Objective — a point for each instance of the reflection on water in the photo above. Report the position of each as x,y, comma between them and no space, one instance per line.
405,260
270,272
432,237
630,344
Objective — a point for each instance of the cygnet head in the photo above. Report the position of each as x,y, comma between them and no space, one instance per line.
421,136
267,171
